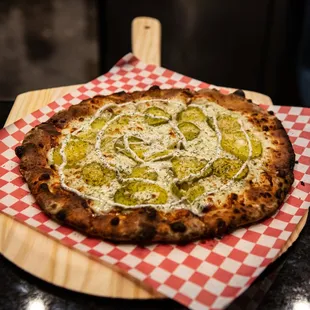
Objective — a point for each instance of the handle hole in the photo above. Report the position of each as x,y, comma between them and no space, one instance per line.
146,27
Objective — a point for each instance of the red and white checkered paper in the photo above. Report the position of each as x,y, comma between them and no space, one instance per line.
200,275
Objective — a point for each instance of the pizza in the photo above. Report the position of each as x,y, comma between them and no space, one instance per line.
162,165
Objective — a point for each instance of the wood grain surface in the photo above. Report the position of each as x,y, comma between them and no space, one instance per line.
49,260
146,39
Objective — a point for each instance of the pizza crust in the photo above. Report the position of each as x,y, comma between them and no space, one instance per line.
147,225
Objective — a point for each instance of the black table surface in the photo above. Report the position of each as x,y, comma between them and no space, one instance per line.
285,284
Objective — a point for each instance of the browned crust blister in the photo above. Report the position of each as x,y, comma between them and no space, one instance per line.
146,225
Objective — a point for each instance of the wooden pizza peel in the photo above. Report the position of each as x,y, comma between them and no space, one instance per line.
55,263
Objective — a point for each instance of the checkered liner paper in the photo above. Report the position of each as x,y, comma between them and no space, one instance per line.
200,275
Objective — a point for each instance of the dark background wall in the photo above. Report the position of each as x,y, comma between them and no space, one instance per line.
46,43
254,45
244,44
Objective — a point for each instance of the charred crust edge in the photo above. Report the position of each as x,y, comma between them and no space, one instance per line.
239,92
178,226
19,151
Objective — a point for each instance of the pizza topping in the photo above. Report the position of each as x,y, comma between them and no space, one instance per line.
228,168
191,114
75,151
186,167
194,191
57,159
107,145
155,116
237,145
131,146
117,125
225,123
88,136
96,175
228,124
175,190
189,130
136,147
143,173
163,155
175,163
99,122
140,193
189,191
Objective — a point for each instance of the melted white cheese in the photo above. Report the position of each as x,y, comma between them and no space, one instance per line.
157,139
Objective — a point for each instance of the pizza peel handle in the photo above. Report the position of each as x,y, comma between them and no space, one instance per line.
146,39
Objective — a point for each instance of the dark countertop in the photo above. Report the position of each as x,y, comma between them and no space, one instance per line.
285,284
